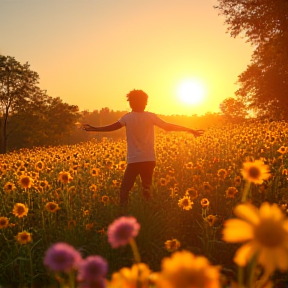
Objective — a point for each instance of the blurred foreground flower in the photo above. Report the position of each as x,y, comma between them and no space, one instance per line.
135,277
184,269
122,230
255,172
265,231
62,257
92,272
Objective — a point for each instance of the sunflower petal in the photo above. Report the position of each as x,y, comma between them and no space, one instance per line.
245,253
236,230
247,212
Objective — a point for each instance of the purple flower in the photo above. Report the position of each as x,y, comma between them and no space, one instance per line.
62,257
122,230
92,269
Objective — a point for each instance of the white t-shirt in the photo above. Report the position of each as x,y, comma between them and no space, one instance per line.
140,135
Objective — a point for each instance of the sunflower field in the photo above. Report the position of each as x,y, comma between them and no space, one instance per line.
71,194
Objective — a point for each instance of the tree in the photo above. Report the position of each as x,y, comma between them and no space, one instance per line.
233,110
17,83
28,116
264,23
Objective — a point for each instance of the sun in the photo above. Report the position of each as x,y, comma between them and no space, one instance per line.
191,91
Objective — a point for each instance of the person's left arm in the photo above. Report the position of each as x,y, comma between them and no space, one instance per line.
111,127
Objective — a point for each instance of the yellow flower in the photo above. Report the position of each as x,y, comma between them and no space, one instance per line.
23,237
65,177
282,150
205,203
231,192
93,188
222,173
105,199
52,207
172,245
255,172
211,219
192,193
134,277
3,222
185,203
9,187
265,233
94,172
39,165
25,181
184,269
20,210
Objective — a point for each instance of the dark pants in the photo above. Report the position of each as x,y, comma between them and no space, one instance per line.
145,170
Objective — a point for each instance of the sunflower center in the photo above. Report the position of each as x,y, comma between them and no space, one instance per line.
254,172
270,234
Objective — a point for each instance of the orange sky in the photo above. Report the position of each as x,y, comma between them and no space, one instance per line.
91,53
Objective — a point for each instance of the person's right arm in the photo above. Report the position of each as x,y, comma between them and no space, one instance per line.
111,127
173,127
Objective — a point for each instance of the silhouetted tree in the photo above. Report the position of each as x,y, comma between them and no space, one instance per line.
233,110
264,23
17,84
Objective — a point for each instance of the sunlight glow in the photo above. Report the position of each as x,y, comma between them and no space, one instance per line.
191,91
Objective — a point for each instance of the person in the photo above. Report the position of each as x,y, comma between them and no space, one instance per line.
141,159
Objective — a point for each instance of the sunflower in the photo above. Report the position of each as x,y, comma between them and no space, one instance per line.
264,232
93,188
211,219
20,210
222,173
9,187
23,237
162,182
4,221
122,165
231,192
185,203
136,276
89,226
105,199
205,203
94,172
189,165
255,172
52,207
282,150
184,269
237,181
25,181
65,177
192,193
39,165
172,245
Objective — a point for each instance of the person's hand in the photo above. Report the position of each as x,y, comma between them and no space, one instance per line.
86,127
197,133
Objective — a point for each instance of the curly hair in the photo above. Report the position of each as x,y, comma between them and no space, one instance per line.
137,100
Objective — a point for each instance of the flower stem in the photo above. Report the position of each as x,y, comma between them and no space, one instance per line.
246,191
135,250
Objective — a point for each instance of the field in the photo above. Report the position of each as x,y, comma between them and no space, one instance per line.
70,194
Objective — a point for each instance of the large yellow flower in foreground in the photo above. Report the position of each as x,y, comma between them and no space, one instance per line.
184,269
255,172
134,277
265,233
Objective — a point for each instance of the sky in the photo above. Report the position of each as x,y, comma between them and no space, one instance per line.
91,53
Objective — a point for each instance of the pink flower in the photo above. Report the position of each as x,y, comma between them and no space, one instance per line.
92,268
122,230
62,257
